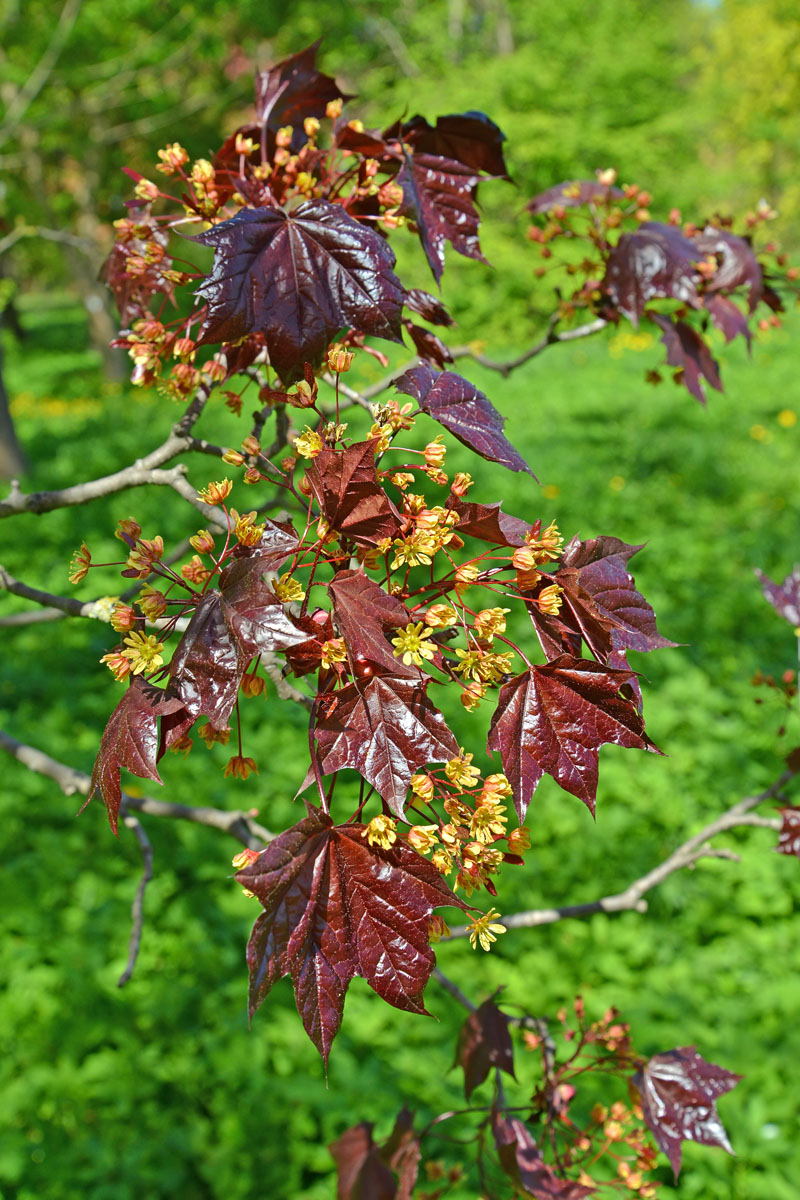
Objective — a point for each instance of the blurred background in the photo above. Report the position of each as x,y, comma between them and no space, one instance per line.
160,1090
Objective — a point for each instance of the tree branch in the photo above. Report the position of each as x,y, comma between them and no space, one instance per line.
686,855
240,825
549,338
137,908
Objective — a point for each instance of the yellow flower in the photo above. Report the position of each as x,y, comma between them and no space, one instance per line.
245,529
470,665
442,861
485,929
118,665
441,616
152,602
288,589
79,566
253,685
549,599
215,493
547,546
308,444
489,622
194,571
240,767
411,551
472,695
412,645
461,772
422,787
488,821
519,840
144,652
381,831
465,575
435,452
437,928
210,735
422,837
123,618
333,651
202,542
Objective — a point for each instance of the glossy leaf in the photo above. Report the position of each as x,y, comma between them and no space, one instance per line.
520,1159
554,719
427,307
784,597
439,196
336,907
679,1092
687,351
345,485
131,740
469,138
294,89
489,523
737,265
484,1042
463,410
298,278
365,613
655,261
384,728
428,345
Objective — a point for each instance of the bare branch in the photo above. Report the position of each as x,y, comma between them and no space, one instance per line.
240,825
41,72
686,855
286,690
453,989
550,338
137,908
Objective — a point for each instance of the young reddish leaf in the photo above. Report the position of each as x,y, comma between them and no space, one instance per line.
307,656
439,196
345,485
687,351
572,194
361,1174
401,1151
484,1042
678,1092
657,260
228,627
784,597
427,307
385,729
737,265
601,568
464,410
369,144
131,740
469,138
729,319
520,1159
298,278
489,523
365,613
789,836
428,345
335,907
554,719
294,89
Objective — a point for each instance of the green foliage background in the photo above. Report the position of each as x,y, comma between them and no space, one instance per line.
160,1090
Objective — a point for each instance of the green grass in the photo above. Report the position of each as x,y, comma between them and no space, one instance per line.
160,1090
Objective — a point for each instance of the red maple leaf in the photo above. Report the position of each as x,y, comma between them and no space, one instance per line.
554,719
469,138
298,278
345,485
439,196
687,351
679,1091
364,613
521,1160
489,523
464,410
484,1042
656,261
294,89
363,1165
336,907
384,728
131,740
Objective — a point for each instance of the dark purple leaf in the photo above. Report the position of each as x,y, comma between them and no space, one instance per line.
384,728
601,568
345,485
361,1174
679,1091
469,138
728,318
572,194
789,836
554,719
520,1159
464,410
687,351
365,613
439,196
298,278
427,307
131,740
784,597
737,265
360,141
294,89
428,345
484,1042
489,523
402,1152
655,261
335,907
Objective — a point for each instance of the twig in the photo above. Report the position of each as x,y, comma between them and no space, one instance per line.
41,72
240,825
686,855
550,338
137,908
454,990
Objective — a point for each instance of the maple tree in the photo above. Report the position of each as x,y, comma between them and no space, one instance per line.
381,589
